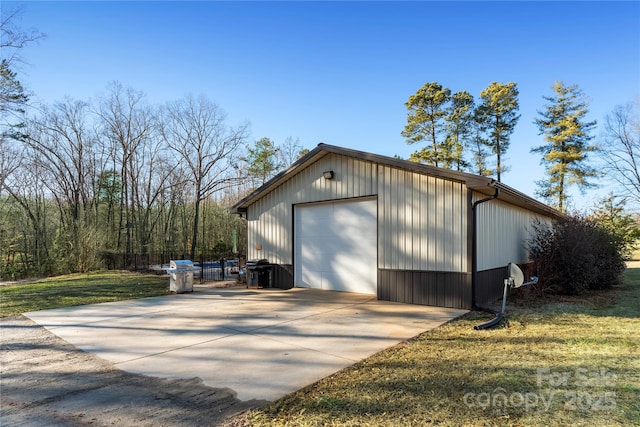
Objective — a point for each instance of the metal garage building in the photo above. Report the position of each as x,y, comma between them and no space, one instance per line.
341,219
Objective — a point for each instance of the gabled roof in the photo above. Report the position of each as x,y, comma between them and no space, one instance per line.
477,183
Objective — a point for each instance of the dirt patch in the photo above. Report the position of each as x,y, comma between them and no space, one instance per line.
218,284
633,264
47,381
17,282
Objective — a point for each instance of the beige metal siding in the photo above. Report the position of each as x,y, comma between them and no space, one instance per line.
503,231
421,219
421,222
270,219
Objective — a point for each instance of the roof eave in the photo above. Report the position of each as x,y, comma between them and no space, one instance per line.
478,183
517,198
242,205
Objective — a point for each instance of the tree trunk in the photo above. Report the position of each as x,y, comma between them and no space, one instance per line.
196,220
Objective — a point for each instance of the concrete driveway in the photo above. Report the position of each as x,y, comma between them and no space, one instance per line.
262,344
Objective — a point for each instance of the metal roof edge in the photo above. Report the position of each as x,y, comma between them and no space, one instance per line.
473,182
468,178
312,155
520,199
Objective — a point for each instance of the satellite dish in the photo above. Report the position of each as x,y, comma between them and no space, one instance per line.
515,280
516,275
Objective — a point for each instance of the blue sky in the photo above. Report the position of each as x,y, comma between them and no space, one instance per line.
339,72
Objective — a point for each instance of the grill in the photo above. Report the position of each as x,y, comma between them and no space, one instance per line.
259,273
180,276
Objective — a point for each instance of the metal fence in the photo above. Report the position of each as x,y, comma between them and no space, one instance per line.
207,267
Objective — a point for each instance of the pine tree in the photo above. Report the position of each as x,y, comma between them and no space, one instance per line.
459,120
498,115
262,160
13,103
610,214
425,122
567,134
478,147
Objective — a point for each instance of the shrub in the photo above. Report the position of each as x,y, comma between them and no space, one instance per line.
610,253
574,255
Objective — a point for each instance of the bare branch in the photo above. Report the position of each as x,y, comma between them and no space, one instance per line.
620,148
14,39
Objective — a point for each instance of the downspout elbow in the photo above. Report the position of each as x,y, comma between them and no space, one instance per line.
486,199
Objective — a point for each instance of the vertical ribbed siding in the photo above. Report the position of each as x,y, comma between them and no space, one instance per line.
421,219
270,219
503,231
421,222
444,289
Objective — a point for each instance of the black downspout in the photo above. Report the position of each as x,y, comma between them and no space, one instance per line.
474,268
474,248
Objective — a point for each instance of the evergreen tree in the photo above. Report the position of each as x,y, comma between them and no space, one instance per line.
459,120
425,122
478,146
13,102
567,135
498,115
12,96
13,99
262,160
610,214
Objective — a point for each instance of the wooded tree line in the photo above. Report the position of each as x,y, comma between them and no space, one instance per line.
110,182
86,182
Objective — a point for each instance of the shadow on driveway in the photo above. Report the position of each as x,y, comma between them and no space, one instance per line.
261,345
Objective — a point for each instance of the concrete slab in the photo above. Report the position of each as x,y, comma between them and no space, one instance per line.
262,344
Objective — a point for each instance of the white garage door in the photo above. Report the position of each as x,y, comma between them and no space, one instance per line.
336,246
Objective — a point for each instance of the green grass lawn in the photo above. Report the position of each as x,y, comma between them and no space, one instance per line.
564,361
79,289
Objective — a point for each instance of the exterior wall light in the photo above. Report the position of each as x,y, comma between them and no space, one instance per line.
327,174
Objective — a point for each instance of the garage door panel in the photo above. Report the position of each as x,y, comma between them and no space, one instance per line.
336,246
310,278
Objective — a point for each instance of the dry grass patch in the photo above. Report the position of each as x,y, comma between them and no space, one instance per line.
568,361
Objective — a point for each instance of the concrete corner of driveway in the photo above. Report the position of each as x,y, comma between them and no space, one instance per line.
263,344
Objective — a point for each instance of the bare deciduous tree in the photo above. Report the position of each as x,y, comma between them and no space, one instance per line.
12,38
127,123
620,147
290,151
31,222
9,161
62,144
195,129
